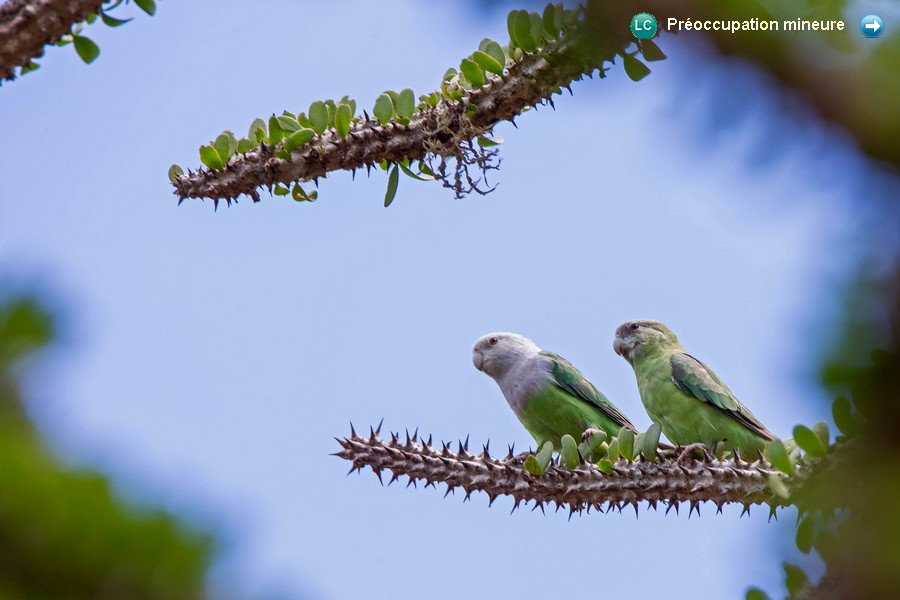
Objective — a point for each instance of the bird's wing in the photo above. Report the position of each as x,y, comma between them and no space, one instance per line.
570,380
698,380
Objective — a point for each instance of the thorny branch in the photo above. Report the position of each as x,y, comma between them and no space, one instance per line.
26,26
669,481
442,136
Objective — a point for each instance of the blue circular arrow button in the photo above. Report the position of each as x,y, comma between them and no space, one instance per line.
871,26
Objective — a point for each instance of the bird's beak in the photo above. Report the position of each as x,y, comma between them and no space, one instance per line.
619,346
478,360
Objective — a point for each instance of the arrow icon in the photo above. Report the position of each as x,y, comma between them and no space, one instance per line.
871,26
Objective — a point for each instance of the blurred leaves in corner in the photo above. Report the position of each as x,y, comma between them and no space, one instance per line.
63,532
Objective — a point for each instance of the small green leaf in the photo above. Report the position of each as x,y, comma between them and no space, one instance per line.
626,443
569,452
809,441
494,50
449,74
254,132
487,62
420,177
605,465
225,145
651,441
805,532
298,193
424,168
275,132
756,594
552,21
288,124
635,69
148,6
532,466
472,72
843,417
32,66
112,21
393,180
406,103
821,429
613,451
175,172
537,27
795,578
342,120
486,142
304,120
86,48
280,190
650,51
331,107
520,30
244,145
778,456
298,138
544,456
778,486
318,116
211,158
384,109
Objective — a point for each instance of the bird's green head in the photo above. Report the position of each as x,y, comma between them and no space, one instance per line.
635,338
496,353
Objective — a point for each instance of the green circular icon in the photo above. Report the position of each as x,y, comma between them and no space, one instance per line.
643,26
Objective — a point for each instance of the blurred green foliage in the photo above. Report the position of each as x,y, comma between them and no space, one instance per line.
63,532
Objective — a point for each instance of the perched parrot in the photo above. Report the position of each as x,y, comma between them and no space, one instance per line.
550,396
683,395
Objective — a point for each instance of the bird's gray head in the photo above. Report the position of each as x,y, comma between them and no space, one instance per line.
497,353
636,337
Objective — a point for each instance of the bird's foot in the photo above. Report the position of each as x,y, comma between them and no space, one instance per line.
586,436
694,452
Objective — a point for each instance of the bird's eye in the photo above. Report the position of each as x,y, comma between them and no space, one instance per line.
492,341
635,326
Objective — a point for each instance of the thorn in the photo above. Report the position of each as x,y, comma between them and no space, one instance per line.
695,505
511,448
449,489
635,506
466,447
513,121
350,472
395,438
718,508
394,477
371,434
411,482
378,429
353,435
515,506
491,498
538,505
773,512
429,439
415,436
468,495
378,473
407,436
746,510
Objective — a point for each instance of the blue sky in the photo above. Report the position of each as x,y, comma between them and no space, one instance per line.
209,357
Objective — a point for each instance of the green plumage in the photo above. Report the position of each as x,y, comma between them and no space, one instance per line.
685,396
569,404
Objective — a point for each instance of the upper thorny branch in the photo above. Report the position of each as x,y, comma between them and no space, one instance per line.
444,135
